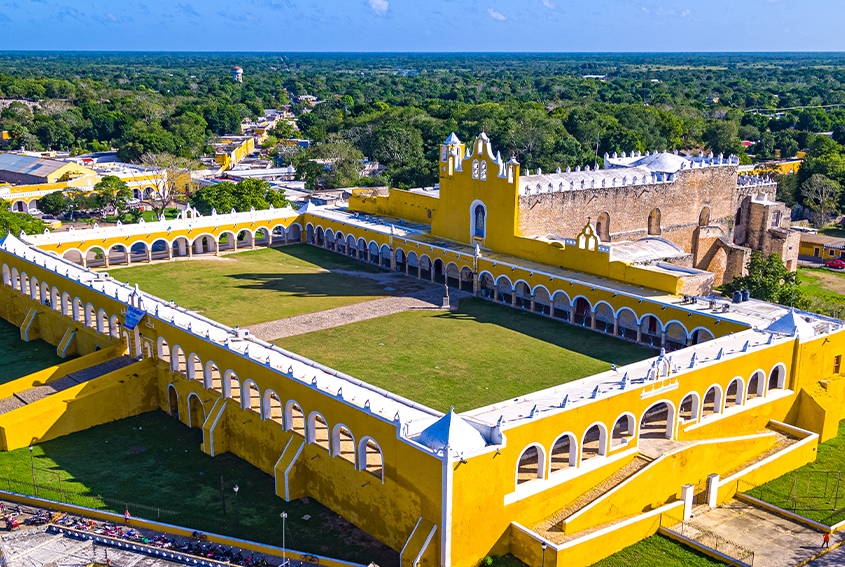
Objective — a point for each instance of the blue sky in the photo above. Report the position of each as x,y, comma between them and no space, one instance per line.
424,25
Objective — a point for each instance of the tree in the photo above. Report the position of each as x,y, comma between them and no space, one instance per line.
768,280
821,196
171,177
54,203
722,137
112,194
249,193
15,223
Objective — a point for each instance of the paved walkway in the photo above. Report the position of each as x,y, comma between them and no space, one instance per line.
776,541
835,558
428,299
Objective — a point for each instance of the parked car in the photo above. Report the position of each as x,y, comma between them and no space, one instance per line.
837,264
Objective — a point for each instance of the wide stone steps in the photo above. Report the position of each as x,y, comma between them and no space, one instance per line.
24,397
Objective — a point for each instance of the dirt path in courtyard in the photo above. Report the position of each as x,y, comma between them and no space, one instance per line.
830,281
431,298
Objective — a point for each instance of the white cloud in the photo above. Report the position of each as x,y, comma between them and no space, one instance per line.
549,4
495,14
379,6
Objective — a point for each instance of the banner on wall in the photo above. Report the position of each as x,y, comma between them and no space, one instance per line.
133,317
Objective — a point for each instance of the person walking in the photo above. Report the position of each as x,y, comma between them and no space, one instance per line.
826,540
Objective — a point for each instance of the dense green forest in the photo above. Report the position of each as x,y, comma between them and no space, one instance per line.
397,108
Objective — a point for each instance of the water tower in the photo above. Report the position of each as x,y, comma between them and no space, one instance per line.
237,74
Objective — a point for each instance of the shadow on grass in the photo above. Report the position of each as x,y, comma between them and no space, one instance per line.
323,258
19,358
309,285
564,335
154,461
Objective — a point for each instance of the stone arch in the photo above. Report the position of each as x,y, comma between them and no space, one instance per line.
654,228
466,278
66,305
701,335
676,335
309,233
522,294
180,246
583,309
486,285
735,394
318,430
118,254
650,330
704,216
542,300
232,386
24,288
159,249
624,429
196,411
195,369
712,402
400,260
343,443
251,396
114,327
139,249
102,322
78,310
294,418
262,236
627,323
564,453
370,458
438,271
385,256
594,442
16,279
178,363
7,275
756,385
340,242
531,464
56,299
603,227
362,249
90,316
163,349
504,289
34,289
272,407
320,237
213,378
44,296
453,275
74,256
172,401
605,318
690,407
777,377
658,421
351,246
294,233
561,305
413,264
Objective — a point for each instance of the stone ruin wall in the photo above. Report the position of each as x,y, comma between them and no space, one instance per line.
680,202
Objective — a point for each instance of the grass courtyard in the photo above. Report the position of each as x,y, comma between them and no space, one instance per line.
259,285
815,490
153,461
19,358
825,289
658,550
482,354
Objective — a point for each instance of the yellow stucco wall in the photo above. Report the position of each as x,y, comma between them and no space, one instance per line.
412,206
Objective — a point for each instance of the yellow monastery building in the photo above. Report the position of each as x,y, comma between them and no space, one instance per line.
736,395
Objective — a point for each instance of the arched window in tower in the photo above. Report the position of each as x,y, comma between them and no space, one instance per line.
475,169
479,219
654,222
704,216
483,174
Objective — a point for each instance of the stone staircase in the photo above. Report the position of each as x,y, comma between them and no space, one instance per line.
22,398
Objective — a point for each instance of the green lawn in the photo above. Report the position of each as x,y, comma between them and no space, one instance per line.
482,354
813,490
18,358
825,289
658,551
153,460
260,285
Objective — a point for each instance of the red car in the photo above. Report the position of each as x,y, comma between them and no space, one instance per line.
838,264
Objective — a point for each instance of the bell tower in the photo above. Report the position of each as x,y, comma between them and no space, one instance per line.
452,153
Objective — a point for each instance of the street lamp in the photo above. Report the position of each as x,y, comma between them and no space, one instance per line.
237,514
284,516
32,467
544,553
